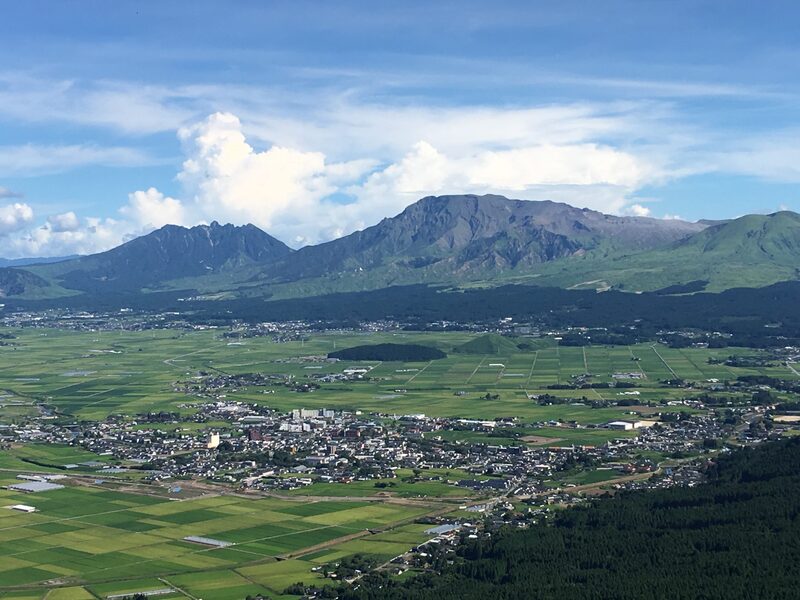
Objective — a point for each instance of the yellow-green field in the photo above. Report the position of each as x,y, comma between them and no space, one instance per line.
85,537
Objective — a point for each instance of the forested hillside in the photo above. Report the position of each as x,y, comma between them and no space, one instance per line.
736,537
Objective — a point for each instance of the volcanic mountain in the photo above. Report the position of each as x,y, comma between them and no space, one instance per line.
452,240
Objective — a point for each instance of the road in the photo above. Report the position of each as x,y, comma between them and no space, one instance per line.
666,364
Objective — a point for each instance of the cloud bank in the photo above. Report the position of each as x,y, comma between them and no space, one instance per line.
307,183
302,197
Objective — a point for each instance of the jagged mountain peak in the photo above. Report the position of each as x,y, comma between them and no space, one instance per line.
169,253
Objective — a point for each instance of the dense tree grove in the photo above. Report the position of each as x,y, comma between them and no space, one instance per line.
749,314
737,536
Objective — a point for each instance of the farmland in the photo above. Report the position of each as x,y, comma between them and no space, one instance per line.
102,541
97,374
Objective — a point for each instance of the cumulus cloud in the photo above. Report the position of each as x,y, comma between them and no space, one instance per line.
152,209
288,191
300,196
548,164
64,222
14,217
421,172
637,210
91,235
224,177
586,175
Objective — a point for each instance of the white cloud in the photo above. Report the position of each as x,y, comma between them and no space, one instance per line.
91,235
548,164
637,210
225,178
285,190
14,217
384,130
64,222
152,209
421,171
773,156
288,191
586,175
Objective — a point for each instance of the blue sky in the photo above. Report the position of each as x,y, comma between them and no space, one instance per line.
312,119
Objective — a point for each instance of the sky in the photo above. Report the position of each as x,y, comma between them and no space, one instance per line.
315,119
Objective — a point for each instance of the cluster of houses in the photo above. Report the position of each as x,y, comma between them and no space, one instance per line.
260,448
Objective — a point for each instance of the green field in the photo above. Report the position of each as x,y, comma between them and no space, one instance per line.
432,483
92,375
85,536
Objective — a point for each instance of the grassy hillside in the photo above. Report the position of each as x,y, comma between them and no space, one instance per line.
752,251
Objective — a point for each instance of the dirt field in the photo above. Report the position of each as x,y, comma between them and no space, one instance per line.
538,440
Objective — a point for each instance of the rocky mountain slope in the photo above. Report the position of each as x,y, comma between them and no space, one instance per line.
471,235
166,254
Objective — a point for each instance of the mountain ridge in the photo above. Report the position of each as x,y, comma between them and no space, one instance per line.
452,240
470,230
750,251
168,253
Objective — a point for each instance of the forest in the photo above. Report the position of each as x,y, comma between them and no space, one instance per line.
754,317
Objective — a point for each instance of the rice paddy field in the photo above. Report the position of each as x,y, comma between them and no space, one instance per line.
91,375
86,542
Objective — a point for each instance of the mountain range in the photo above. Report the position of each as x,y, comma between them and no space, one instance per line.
461,240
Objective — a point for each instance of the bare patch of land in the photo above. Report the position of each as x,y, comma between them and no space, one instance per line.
539,440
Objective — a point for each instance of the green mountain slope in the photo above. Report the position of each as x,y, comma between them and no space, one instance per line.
751,251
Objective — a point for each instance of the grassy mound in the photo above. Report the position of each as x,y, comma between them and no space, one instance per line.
491,343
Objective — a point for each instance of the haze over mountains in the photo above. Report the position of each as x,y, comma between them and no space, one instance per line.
454,240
